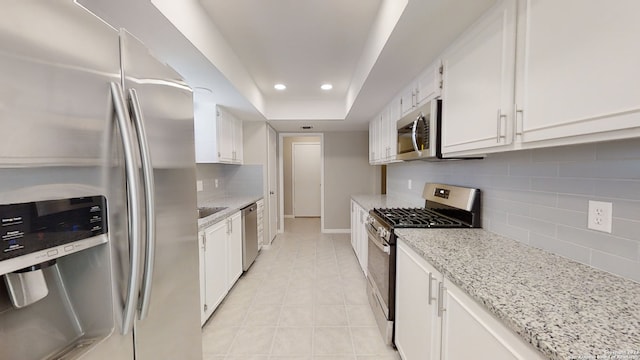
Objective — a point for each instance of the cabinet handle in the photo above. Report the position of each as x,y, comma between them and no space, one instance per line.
518,119
431,278
204,243
499,126
441,291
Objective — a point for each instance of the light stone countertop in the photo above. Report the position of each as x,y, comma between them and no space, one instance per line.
565,309
232,205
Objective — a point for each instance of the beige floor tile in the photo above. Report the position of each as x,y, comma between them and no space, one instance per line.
263,315
303,299
293,341
330,315
217,341
368,341
296,315
253,341
332,341
360,315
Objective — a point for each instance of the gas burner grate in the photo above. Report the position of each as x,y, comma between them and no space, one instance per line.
417,218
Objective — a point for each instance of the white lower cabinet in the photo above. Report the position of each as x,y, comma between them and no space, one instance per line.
220,262
234,248
435,319
359,238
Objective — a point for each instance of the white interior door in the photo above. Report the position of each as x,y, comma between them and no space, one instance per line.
272,201
306,179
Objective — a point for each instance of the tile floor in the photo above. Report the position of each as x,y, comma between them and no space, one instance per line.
303,299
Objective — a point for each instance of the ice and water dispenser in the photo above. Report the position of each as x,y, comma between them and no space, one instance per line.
57,275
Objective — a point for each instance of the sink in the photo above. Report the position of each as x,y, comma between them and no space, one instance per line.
203,212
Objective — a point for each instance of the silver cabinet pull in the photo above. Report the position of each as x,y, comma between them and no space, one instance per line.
431,278
133,194
149,186
499,126
518,119
441,291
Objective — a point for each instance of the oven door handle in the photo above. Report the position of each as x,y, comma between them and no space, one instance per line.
385,248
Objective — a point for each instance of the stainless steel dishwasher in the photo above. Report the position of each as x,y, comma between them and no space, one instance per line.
249,235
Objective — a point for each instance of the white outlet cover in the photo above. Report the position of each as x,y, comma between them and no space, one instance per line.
600,216
216,183
409,184
199,185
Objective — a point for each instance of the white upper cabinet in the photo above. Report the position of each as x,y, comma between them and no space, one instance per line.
478,83
218,134
383,135
230,137
425,88
580,74
535,73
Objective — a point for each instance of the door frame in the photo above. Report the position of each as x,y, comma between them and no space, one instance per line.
293,173
281,137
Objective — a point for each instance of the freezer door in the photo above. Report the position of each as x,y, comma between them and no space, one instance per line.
58,141
171,328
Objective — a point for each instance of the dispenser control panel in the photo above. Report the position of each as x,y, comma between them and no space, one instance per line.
39,231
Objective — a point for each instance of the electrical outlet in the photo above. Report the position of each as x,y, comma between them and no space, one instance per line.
600,214
199,185
215,182
409,184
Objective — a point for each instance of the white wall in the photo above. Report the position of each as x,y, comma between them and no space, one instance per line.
540,197
346,172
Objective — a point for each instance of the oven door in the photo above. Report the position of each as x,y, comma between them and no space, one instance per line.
379,262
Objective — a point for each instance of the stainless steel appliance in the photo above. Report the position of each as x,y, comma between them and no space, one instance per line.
420,135
446,206
250,245
85,112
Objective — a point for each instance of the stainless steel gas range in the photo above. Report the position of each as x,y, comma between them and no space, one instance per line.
446,206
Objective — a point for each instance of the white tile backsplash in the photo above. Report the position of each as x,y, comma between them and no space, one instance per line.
233,180
540,197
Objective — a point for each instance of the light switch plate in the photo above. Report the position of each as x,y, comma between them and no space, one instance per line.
600,216
409,184
199,185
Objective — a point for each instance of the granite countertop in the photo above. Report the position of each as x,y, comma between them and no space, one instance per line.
369,202
565,309
232,205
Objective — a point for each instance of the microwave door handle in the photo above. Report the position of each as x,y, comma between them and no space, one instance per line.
414,136
147,176
131,171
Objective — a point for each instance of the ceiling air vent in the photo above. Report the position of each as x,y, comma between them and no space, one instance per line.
306,127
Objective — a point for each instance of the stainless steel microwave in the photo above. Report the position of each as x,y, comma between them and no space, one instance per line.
416,132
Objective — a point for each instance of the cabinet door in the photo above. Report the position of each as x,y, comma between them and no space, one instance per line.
363,239
215,266
478,89
225,123
408,99
466,322
238,154
234,246
428,87
354,227
203,287
374,141
580,71
205,128
417,326
386,132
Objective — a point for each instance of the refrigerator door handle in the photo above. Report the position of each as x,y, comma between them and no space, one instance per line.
131,170
147,175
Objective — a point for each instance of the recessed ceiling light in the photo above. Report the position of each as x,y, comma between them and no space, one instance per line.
279,86
326,87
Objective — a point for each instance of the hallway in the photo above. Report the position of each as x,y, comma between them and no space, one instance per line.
303,298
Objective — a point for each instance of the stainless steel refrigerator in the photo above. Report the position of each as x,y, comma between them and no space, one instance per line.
85,111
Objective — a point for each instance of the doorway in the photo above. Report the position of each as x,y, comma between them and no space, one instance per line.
301,176
305,168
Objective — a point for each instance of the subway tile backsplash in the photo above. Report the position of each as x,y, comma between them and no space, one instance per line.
540,197
233,180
